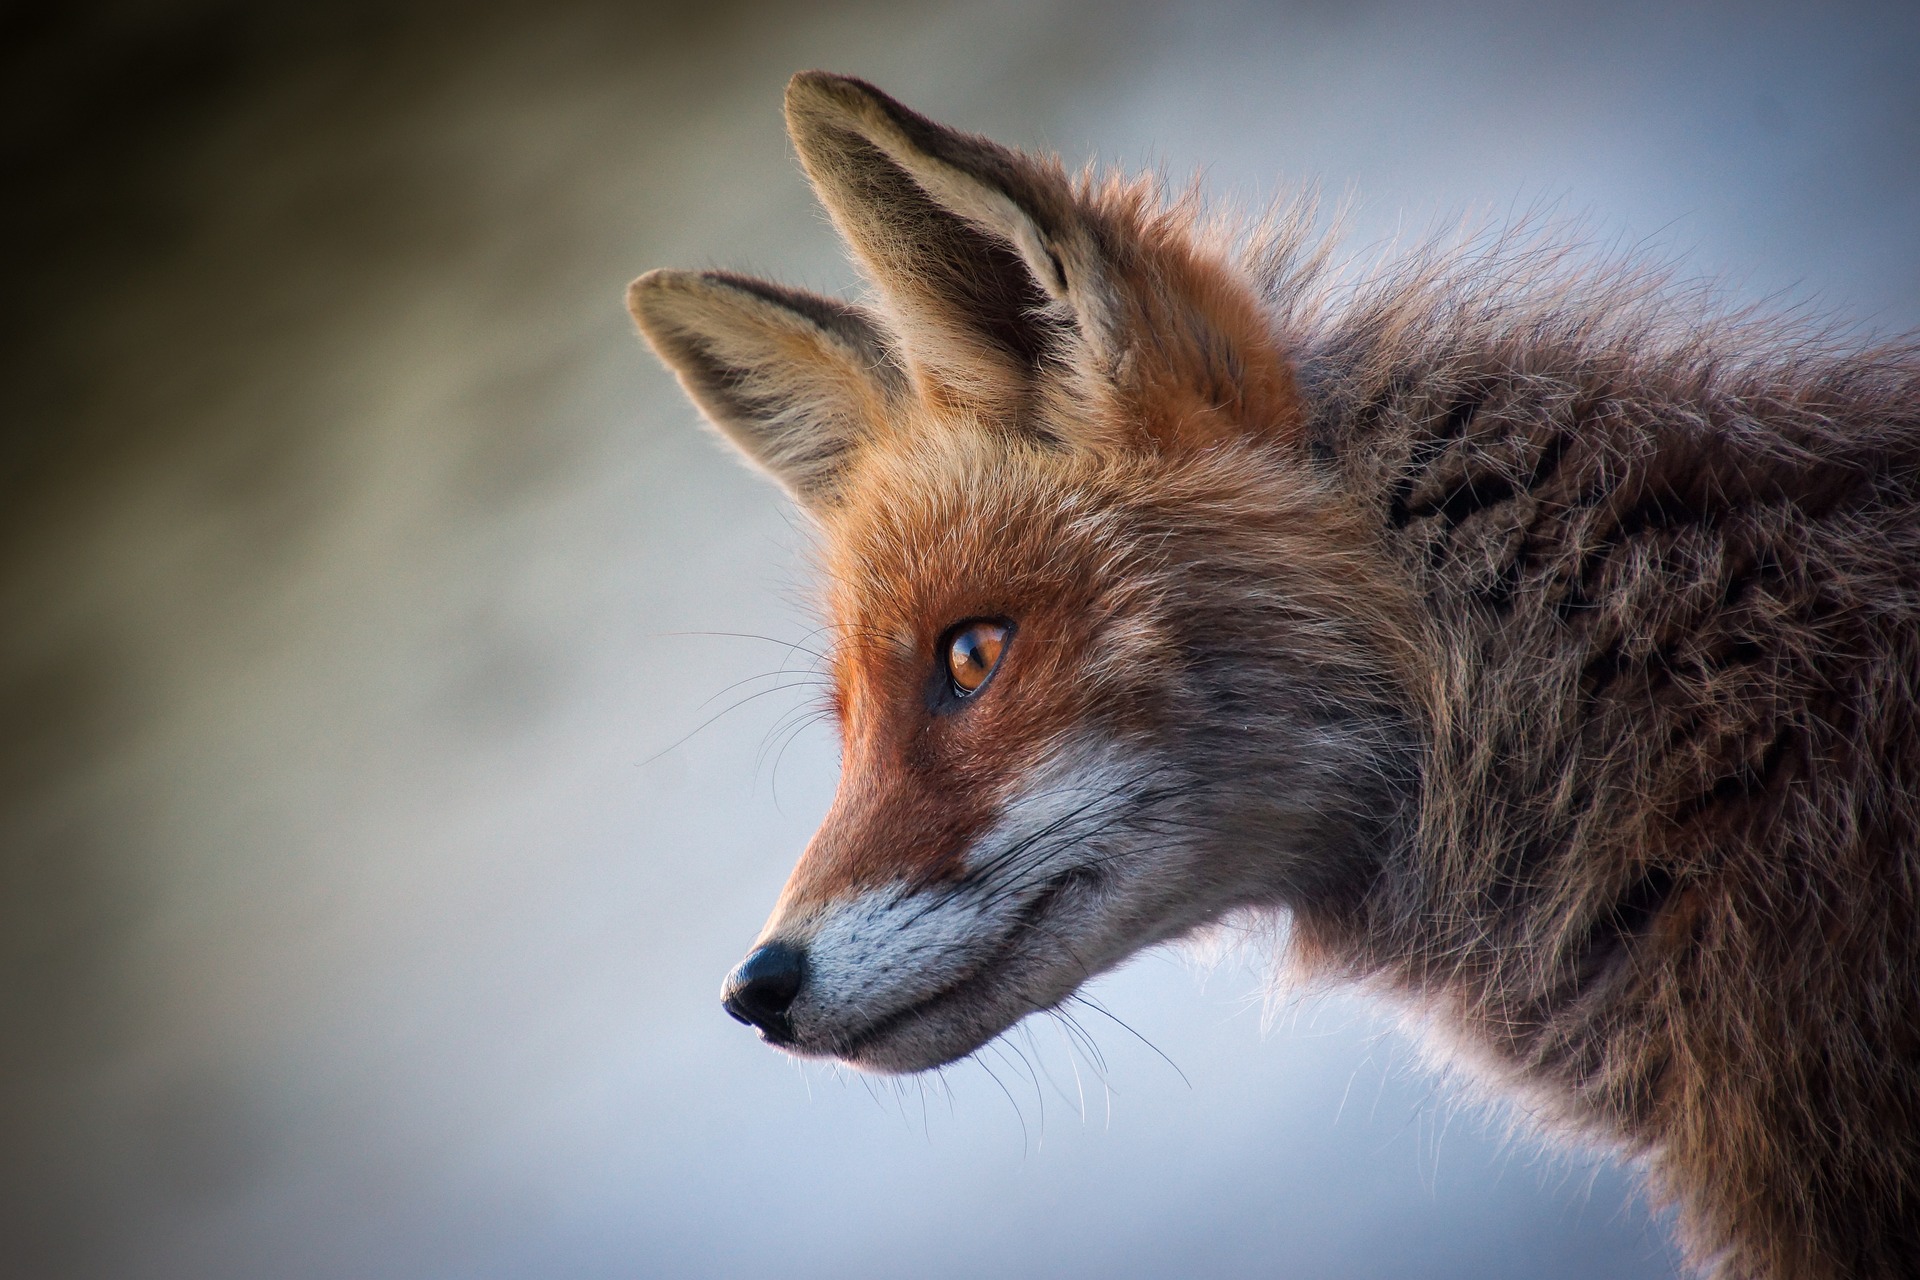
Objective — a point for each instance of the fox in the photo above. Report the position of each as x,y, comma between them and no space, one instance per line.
1539,642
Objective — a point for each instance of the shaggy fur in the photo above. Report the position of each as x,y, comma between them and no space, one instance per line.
1546,647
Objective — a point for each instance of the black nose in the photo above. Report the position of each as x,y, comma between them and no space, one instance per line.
759,991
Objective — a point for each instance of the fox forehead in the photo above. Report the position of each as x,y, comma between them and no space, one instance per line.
956,521
961,506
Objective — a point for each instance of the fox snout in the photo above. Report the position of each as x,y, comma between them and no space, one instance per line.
900,973
761,990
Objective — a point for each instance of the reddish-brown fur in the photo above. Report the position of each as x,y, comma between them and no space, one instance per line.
1547,647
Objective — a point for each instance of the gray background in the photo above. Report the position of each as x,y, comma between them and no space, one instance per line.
362,909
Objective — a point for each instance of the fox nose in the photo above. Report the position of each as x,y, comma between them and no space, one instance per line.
760,990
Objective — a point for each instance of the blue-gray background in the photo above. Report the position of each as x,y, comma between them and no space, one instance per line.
359,914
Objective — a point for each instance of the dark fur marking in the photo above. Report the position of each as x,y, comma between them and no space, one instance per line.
1450,426
1659,507
1752,778
1661,665
1498,595
1397,516
1477,493
1628,918
1636,908
1763,566
1571,601
1468,498
1601,671
1459,416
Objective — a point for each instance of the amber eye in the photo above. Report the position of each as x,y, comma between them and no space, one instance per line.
972,651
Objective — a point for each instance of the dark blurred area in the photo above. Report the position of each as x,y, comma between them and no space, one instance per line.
368,865
104,106
201,192
116,121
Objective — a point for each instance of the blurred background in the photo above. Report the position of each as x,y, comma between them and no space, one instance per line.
376,818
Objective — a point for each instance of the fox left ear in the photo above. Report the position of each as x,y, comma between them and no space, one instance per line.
794,380
1008,284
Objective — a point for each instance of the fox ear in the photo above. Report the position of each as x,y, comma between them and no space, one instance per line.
794,380
977,248
999,272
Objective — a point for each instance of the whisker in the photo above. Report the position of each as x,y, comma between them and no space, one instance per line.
812,716
1005,1047
718,715
811,677
1017,1113
1097,1008
749,635
1096,1059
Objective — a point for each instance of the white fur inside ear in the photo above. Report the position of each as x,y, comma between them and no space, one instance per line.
792,381
981,203
1070,273
993,211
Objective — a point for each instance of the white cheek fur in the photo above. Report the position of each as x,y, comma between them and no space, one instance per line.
890,949
885,950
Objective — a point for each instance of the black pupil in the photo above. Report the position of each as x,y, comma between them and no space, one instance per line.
971,656
971,651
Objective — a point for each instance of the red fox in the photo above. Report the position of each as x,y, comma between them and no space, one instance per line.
1546,649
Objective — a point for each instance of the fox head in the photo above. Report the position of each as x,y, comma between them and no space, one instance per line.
1112,654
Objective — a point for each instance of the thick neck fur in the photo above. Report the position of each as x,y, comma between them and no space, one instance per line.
1664,869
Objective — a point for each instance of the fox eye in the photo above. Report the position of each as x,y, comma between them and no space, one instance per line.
973,650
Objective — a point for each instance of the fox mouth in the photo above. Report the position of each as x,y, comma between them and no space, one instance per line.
983,1001
954,994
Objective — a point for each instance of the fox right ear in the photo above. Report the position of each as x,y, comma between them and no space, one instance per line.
792,379
969,242
1014,292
